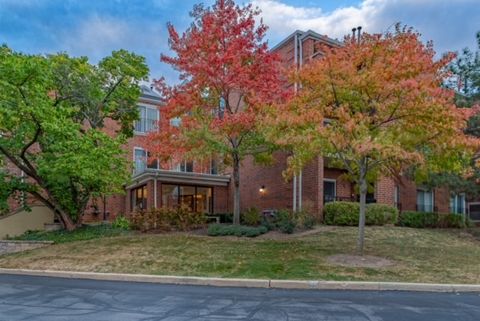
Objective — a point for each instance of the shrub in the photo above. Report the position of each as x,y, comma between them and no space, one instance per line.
304,219
167,219
432,220
285,221
381,214
347,213
341,213
236,230
451,221
268,223
121,222
225,217
418,219
80,234
251,217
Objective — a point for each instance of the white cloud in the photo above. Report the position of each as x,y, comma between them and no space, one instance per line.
97,36
450,24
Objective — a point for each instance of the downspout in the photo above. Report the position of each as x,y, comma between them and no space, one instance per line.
155,192
300,178
295,86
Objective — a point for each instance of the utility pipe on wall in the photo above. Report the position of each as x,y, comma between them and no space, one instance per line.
300,178
155,193
295,88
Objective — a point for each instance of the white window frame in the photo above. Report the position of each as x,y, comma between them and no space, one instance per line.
146,106
455,196
334,181
146,160
178,166
425,190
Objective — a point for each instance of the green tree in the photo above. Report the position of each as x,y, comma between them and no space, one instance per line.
53,111
466,80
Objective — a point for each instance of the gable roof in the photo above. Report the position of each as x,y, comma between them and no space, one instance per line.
308,34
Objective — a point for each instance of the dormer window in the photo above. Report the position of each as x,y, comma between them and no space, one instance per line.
149,117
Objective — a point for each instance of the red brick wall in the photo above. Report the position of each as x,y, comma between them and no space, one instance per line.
408,196
385,191
312,190
221,199
278,192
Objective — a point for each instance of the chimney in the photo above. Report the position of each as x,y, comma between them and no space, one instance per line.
353,33
359,28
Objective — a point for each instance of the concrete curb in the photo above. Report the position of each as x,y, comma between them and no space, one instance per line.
251,283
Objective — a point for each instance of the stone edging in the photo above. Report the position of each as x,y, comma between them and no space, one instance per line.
251,283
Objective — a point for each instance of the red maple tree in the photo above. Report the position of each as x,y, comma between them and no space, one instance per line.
228,78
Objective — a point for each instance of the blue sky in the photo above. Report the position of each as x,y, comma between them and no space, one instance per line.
96,27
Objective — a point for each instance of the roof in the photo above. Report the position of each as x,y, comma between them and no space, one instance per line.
149,94
170,176
307,34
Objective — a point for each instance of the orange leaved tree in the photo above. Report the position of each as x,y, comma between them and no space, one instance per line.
374,107
228,77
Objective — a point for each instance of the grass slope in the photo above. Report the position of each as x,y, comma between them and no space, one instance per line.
420,255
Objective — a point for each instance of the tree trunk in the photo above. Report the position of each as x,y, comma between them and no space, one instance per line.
62,216
363,204
66,220
236,191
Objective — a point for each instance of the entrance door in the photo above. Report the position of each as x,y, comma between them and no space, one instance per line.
329,191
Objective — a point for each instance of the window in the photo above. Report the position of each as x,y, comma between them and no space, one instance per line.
138,198
187,197
457,203
185,166
396,197
170,195
329,190
425,201
221,108
195,198
148,119
142,162
213,167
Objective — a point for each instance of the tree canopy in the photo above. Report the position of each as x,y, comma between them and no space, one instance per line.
53,111
228,76
374,107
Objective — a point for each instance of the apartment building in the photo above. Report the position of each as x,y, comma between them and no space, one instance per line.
203,187
320,182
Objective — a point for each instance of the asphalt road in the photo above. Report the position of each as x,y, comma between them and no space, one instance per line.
52,299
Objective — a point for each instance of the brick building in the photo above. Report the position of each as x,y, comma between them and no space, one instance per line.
203,188
197,185
319,182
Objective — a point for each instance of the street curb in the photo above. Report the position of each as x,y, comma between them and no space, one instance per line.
250,283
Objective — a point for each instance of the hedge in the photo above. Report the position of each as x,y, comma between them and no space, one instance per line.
236,230
431,220
347,213
165,218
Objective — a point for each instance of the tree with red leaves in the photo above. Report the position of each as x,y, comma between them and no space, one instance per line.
228,79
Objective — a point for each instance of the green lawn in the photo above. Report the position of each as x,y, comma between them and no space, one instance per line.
420,255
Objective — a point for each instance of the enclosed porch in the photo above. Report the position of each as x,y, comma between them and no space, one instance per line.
154,188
